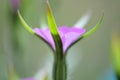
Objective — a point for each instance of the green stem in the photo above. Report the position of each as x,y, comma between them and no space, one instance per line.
60,69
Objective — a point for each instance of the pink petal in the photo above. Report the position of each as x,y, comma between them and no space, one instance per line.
68,35
45,34
28,79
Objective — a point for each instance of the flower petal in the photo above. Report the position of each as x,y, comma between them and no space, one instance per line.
83,20
70,35
28,79
45,34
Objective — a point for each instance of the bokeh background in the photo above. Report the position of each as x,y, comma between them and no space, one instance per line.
89,59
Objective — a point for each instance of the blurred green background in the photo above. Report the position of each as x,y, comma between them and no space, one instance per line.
28,53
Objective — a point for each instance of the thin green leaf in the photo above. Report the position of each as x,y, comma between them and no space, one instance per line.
94,28
51,21
25,24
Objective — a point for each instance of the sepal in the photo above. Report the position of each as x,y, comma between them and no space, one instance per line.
25,24
94,28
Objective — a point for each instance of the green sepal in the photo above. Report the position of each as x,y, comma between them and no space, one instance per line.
54,31
94,28
51,21
24,23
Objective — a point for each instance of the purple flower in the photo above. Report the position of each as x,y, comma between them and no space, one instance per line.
15,4
67,35
28,79
60,39
42,74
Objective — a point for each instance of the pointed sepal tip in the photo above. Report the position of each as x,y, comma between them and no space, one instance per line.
51,21
95,27
24,23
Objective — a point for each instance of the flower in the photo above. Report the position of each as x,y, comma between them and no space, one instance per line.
42,74
60,40
68,36
28,79
15,4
